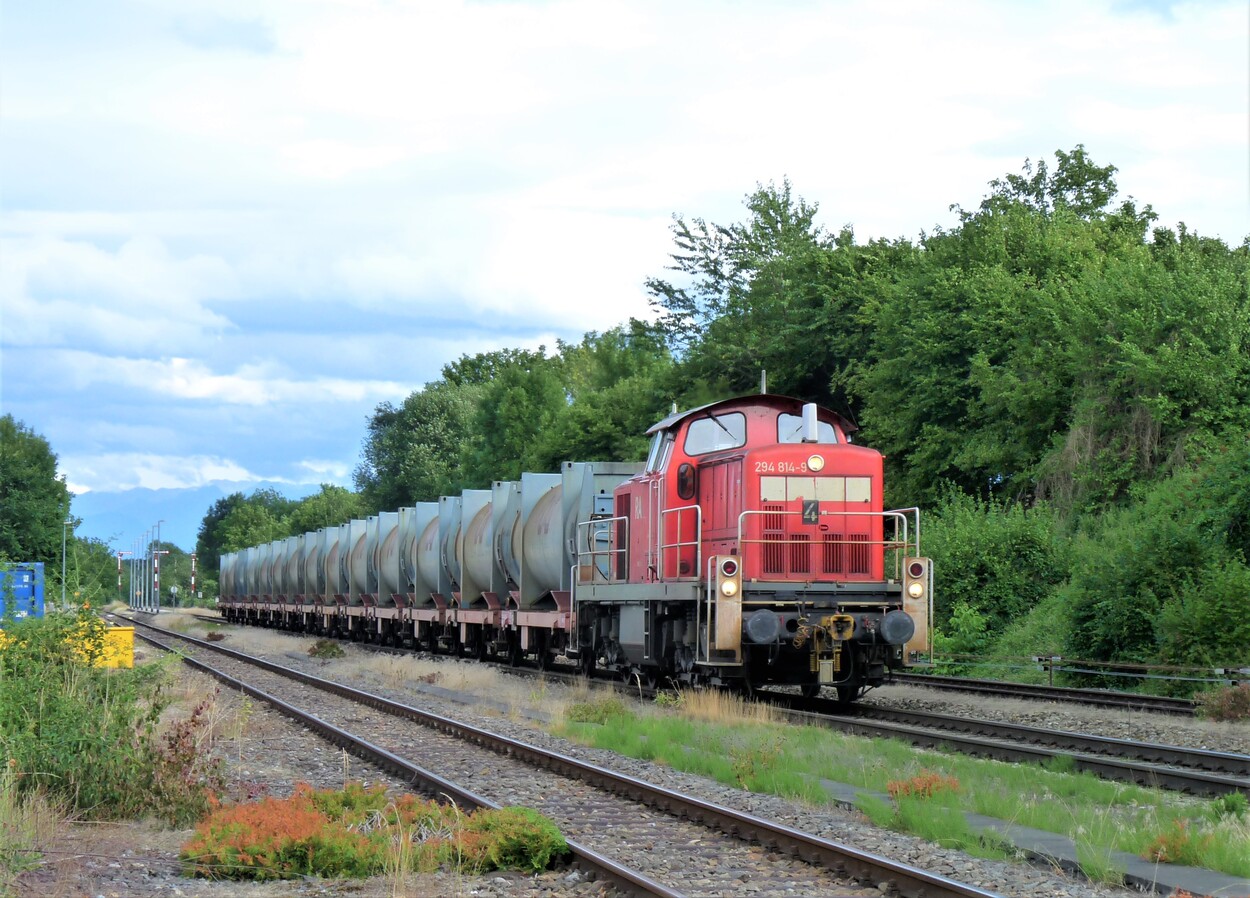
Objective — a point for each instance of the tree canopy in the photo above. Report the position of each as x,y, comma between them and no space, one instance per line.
34,500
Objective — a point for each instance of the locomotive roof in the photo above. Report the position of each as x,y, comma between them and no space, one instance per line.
772,399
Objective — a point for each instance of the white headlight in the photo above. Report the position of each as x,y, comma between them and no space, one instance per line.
729,588
816,463
915,590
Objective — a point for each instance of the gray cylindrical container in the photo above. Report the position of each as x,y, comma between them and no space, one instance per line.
274,566
335,582
309,558
420,557
542,536
357,566
315,572
386,555
255,558
291,581
448,537
506,510
476,549
225,575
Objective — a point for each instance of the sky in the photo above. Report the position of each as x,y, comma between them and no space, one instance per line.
229,230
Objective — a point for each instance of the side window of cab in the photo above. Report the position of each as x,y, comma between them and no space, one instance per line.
660,452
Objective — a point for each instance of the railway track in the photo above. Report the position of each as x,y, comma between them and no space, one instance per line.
1194,771
1102,698
641,836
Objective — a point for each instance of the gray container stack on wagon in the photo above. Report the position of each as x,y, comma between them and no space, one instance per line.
514,545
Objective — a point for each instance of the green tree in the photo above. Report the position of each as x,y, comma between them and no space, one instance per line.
775,293
415,452
524,398
332,505
250,524
208,544
263,513
34,500
91,572
1176,547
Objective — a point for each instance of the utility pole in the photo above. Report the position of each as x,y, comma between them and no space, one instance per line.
64,527
120,594
156,579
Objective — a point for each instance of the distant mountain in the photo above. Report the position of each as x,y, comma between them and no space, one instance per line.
122,518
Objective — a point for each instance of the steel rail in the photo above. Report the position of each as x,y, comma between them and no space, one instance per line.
1157,776
841,859
1099,697
1064,740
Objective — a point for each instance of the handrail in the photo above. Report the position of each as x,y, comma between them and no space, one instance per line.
586,548
696,543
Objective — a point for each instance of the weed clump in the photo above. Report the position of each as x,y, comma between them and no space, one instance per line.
359,832
326,649
599,710
1229,703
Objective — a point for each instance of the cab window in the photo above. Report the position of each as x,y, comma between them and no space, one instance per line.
716,433
661,444
790,430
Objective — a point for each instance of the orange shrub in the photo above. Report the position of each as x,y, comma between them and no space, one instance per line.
926,784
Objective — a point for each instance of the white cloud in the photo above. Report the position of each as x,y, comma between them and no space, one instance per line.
249,385
73,293
120,471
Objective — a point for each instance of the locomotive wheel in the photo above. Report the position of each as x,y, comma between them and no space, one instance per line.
847,695
809,690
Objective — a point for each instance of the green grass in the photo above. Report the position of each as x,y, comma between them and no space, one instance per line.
782,759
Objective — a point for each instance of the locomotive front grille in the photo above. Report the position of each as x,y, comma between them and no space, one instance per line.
774,537
833,554
800,554
858,560
788,553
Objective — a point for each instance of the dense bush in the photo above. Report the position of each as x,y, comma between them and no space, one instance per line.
360,832
88,736
1166,578
994,562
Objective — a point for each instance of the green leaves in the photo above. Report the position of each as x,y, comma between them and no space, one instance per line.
34,500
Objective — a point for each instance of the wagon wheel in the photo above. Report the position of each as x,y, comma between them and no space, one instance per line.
809,690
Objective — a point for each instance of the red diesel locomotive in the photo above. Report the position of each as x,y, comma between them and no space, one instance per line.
752,547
